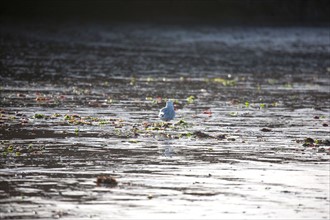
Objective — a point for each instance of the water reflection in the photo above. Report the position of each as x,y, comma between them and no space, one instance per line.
168,148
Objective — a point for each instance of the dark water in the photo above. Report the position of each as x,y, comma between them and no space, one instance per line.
251,137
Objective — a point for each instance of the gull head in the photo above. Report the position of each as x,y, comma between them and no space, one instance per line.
169,103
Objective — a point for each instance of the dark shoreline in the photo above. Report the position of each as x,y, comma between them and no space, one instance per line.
224,12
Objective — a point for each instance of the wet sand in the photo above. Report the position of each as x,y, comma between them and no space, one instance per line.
79,101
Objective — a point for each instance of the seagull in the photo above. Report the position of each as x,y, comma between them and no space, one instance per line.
167,113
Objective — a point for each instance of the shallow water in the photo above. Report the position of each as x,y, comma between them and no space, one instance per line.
81,101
